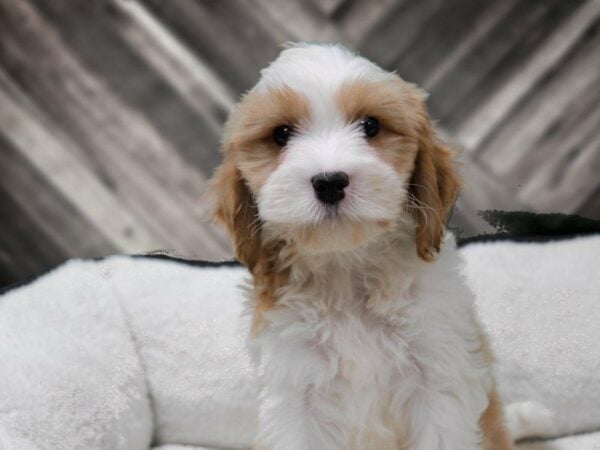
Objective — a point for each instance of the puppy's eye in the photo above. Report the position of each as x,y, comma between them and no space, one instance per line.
370,126
282,134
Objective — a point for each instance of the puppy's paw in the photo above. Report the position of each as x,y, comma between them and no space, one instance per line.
529,419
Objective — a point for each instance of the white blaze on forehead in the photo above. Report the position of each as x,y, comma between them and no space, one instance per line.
317,72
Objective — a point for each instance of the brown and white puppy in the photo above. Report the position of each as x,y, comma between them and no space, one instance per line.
335,191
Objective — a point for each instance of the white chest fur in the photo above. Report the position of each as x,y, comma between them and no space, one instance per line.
383,358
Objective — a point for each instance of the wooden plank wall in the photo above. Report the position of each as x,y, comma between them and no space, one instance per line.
111,110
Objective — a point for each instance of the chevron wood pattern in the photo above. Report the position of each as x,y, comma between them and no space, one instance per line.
111,110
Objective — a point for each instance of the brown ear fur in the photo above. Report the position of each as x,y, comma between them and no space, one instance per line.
433,189
236,210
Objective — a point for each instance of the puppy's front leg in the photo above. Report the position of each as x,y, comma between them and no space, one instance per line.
302,403
440,421
301,419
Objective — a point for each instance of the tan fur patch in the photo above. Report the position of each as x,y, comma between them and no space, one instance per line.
249,131
389,102
407,142
237,212
485,349
495,433
259,112
433,187
344,235
385,224
271,274
250,155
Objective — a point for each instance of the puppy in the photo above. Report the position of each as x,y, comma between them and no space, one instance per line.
335,191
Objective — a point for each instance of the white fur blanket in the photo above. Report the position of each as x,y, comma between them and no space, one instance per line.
125,353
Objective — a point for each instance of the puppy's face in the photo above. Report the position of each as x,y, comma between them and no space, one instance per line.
327,152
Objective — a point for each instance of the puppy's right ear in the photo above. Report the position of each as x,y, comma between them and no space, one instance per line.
236,210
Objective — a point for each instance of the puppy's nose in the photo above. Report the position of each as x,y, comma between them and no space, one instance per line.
329,186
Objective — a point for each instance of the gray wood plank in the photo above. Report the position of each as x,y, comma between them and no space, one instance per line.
111,110
440,32
50,219
450,61
95,33
571,177
395,31
296,22
119,143
21,256
518,146
358,18
225,33
54,157
499,57
327,7
591,206
192,78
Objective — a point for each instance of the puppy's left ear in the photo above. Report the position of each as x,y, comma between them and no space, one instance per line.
433,189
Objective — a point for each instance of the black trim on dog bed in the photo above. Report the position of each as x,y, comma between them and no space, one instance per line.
522,226
26,281
516,226
188,261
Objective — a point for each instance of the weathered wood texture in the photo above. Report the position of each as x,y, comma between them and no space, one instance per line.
111,110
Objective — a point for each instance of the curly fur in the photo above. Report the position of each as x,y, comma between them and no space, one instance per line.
364,331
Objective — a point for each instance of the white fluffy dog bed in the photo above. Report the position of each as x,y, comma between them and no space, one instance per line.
129,353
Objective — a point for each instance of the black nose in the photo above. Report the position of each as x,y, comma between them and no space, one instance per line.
329,186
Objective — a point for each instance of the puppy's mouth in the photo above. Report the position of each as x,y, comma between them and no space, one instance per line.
336,215
332,213
336,229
